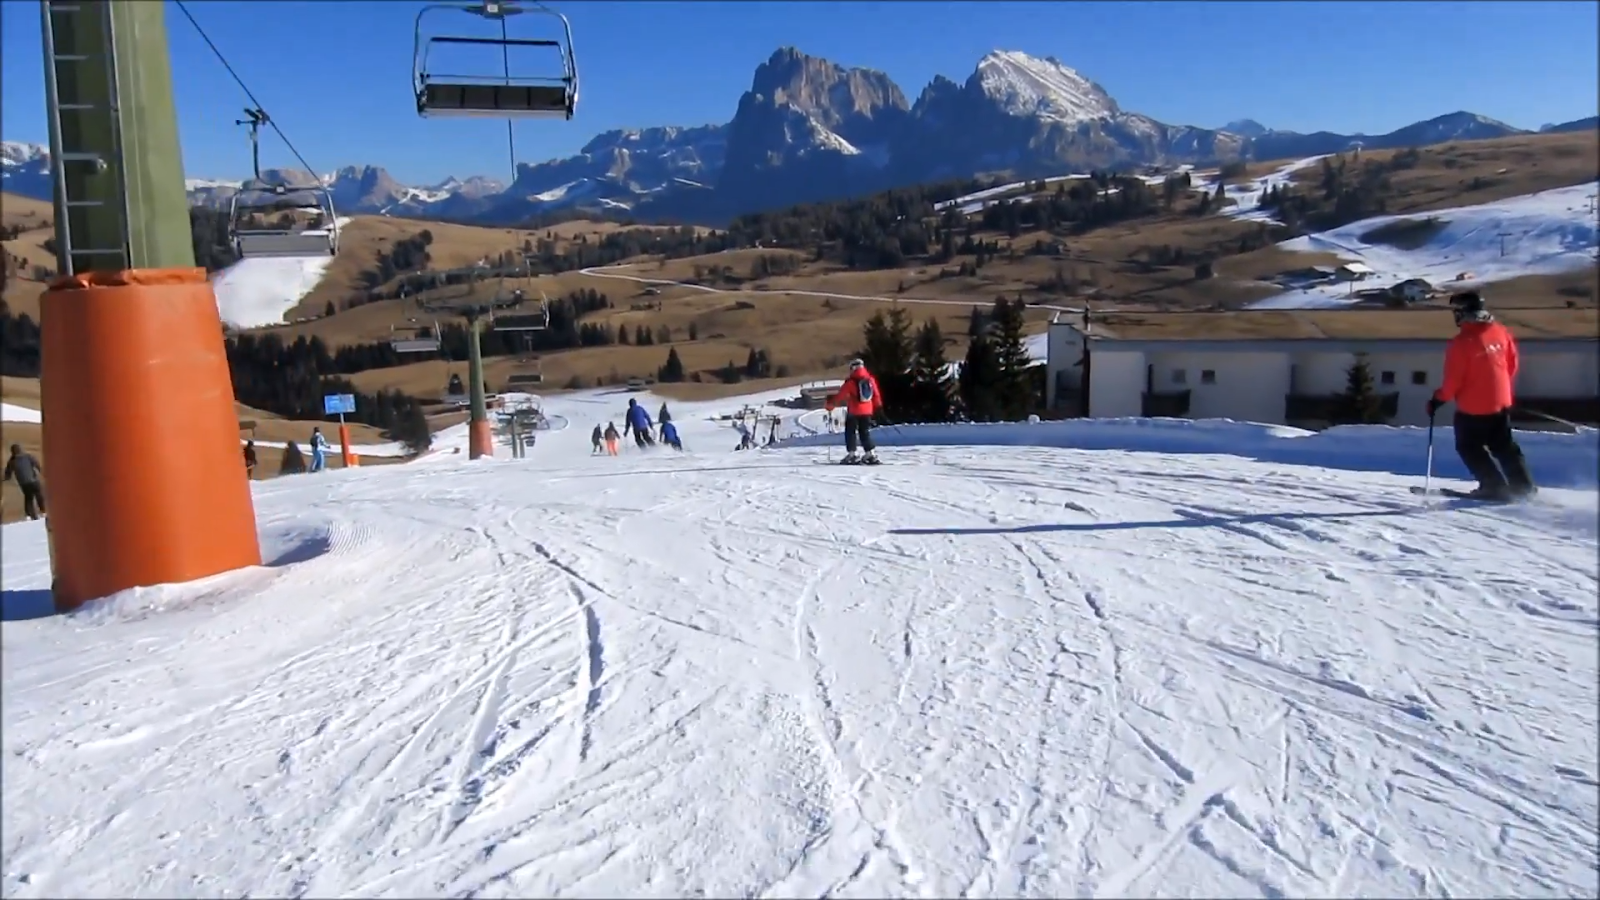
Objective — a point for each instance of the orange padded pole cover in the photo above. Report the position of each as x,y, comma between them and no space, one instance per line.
140,434
480,440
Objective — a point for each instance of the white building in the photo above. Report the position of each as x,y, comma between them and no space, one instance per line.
1283,366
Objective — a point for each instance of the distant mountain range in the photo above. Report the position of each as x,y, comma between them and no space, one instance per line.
808,130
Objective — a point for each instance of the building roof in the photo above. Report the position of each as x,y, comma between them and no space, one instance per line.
1361,268
1332,324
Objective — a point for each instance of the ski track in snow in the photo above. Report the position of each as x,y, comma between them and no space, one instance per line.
1000,671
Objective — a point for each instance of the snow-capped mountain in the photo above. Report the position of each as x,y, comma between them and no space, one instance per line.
810,129
25,169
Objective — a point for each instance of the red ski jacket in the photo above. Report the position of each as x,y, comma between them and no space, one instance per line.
1480,364
859,394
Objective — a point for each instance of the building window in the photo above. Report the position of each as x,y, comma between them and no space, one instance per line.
1419,377
1386,378
1208,376
1180,376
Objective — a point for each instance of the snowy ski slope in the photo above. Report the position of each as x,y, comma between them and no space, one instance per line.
1246,196
260,291
1547,233
1186,659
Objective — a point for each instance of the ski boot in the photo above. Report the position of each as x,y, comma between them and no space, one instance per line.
871,458
1500,493
850,459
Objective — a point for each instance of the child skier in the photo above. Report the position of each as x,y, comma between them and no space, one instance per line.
612,438
669,435
861,400
595,439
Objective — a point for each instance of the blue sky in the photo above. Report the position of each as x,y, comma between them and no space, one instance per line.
336,75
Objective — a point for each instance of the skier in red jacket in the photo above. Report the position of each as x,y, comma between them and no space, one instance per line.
861,399
1480,364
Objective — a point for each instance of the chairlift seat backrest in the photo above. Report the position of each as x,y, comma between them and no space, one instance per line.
499,101
522,322
259,244
414,345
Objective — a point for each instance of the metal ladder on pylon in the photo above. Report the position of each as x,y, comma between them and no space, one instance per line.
70,70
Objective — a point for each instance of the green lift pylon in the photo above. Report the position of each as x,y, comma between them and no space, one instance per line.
119,194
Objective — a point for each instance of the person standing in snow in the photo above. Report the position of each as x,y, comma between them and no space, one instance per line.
639,421
861,400
595,439
612,438
1480,364
29,474
319,450
249,459
669,435
663,417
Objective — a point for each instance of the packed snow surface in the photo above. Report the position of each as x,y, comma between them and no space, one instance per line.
1547,233
10,412
986,668
260,291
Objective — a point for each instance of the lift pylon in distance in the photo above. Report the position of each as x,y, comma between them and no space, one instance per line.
482,92
461,294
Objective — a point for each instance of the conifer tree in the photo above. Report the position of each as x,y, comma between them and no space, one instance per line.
979,373
931,385
888,354
1012,389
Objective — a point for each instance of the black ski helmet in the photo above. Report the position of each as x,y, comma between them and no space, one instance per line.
1467,306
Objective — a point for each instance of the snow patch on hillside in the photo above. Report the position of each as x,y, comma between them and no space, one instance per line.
1547,233
255,292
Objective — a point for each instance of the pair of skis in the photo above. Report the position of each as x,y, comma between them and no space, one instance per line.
1458,495
1426,489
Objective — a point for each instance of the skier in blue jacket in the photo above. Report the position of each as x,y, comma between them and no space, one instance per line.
639,421
669,436
319,450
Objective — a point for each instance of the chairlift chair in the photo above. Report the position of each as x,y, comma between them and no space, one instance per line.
535,320
426,339
260,198
531,371
447,296
501,96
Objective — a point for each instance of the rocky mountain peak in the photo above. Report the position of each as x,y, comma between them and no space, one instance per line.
1249,128
830,93
1046,89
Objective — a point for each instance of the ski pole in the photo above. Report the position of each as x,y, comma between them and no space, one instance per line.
1427,475
1549,418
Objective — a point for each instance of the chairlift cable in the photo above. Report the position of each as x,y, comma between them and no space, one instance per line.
505,65
244,87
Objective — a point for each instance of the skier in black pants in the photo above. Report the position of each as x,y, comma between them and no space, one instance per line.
862,401
27,471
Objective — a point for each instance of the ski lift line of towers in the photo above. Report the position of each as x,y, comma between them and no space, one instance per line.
459,289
